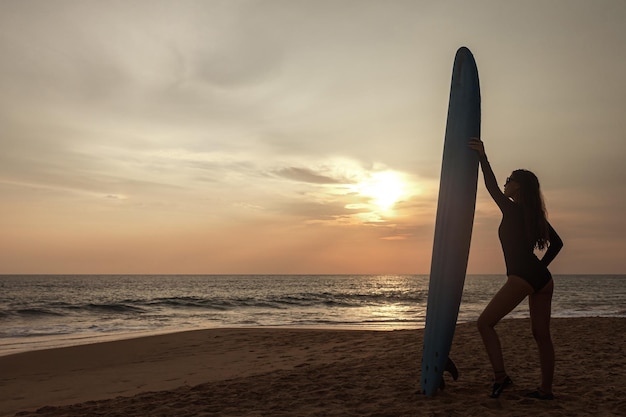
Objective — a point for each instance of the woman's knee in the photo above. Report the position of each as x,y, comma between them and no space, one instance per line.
484,323
542,334
541,330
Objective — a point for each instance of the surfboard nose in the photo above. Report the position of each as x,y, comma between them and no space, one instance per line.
465,70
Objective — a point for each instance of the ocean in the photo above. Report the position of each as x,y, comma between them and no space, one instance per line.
43,311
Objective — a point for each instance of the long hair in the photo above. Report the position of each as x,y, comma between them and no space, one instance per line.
531,200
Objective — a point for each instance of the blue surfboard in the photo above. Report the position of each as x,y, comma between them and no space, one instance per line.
454,221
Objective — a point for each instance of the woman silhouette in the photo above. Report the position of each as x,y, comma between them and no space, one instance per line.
523,229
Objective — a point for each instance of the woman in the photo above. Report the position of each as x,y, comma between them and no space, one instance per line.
523,229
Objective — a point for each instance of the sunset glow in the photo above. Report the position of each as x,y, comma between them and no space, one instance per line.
384,189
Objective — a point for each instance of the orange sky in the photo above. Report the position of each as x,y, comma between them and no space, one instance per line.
296,137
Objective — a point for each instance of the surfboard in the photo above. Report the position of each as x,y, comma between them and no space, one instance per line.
453,224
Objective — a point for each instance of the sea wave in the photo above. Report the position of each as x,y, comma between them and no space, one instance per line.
278,302
36,312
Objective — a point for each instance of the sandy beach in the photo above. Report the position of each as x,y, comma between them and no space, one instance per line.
310,372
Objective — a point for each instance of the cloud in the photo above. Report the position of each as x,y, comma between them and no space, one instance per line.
306,175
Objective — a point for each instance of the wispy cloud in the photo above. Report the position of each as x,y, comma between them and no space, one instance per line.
305,175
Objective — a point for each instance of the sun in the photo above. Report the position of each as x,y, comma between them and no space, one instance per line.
383,188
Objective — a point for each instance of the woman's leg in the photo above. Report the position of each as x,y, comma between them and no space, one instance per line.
505,300
540,304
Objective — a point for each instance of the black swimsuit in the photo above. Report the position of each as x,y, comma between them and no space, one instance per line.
519,254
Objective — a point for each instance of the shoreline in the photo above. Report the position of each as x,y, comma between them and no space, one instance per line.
311,371
38,343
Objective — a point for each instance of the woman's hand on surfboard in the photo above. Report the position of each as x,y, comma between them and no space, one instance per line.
477,145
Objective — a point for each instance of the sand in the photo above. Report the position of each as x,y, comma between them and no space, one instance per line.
310,372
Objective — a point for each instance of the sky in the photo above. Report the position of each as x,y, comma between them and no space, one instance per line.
297,137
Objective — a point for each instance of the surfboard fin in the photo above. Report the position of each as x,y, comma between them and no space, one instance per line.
452,370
